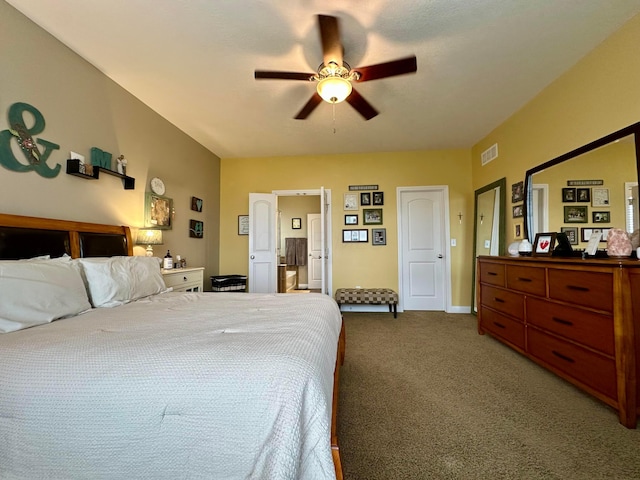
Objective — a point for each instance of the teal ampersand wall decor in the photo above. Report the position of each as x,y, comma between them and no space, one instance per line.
18,131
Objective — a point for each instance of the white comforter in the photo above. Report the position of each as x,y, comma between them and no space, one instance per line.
210,385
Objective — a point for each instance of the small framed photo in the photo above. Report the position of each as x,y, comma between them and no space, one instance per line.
518,211
351,219
355,236
378,198
601,217
600,197
517,192
517,231
568,195
583,194
365,198
544,243
296,223
350,201
575,214
378,236
243,224
571,233
196,204
372,216
585,233
196,229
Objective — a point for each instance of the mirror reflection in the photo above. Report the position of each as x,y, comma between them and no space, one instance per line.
597,188
489,224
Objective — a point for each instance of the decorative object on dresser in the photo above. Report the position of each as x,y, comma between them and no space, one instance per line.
618,243
578,318
149,238
184,279
544,244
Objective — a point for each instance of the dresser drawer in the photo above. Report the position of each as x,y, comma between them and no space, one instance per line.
527,279
589,368
582,326
492,273
503,300
503,327
589,289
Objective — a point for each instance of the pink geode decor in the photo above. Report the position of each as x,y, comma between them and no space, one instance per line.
618,243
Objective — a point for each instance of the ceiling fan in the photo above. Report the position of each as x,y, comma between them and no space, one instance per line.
335,76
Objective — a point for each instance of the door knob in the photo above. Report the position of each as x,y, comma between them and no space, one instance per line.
252,257
440,256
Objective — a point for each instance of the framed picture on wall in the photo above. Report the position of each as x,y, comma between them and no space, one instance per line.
243,224
378,198
196,229
577,214
296,223
600,197
351,219
378,236
350,201
583,194
517,192
365,198
568,195
372,216
157,211
571,233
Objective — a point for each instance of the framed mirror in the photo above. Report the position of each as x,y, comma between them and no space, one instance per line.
592,187
488,226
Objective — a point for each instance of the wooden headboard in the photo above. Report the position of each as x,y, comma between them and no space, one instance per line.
27,237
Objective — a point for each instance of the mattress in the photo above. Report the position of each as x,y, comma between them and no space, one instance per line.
178,385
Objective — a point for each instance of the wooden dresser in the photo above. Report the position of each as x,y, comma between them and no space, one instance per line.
578,318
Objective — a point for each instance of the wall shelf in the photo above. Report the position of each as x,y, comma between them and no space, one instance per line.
73,168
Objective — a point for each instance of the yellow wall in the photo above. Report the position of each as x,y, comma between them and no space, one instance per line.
82,109
597,96
354,264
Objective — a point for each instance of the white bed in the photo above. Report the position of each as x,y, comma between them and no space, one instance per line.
175,385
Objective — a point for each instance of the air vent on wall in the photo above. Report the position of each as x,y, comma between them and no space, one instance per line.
489,154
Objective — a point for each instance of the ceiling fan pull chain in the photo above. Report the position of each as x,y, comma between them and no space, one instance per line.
334,117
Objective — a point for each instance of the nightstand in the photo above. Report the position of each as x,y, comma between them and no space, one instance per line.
184,279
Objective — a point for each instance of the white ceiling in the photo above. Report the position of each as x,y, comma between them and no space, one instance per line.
192,61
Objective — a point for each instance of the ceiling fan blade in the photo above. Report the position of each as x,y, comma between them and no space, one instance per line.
387,69
332,49
363,107
265,74
310,106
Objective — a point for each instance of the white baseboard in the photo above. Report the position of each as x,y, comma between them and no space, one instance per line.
303,286
459,310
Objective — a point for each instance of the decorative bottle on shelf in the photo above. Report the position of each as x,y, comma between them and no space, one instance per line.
167,264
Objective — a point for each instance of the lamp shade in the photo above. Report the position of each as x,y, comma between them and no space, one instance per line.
334,89
149,237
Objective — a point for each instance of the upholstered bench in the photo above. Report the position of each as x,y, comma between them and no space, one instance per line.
370,296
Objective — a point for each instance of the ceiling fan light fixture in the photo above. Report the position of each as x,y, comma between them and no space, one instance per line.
334,89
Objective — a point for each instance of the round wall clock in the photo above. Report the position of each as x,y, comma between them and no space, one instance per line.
157,186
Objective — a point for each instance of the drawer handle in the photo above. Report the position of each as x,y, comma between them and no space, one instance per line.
578,288
524,279
499,325
563,322
499,300
492,273
563,357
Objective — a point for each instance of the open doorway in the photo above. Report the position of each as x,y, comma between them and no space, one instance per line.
269,229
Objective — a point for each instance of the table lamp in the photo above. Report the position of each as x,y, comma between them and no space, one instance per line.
149,238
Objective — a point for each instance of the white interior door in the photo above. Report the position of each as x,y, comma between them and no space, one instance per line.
263,261
315,249
422,248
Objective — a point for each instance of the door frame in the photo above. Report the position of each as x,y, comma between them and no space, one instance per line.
445,238
328,235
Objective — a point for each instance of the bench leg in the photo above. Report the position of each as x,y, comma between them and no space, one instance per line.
395,310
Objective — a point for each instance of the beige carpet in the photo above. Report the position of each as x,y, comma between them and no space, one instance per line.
426,397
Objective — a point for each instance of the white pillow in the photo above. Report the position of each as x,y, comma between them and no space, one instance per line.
39,291
114,281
